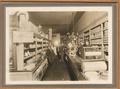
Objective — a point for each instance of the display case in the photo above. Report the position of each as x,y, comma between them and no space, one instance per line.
91,53
35,73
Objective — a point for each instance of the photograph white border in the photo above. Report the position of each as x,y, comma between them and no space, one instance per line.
10,10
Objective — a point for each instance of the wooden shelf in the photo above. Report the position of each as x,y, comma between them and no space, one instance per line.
105,43
29,56
96,38
91,60
39,51
29,48
105,29
39,47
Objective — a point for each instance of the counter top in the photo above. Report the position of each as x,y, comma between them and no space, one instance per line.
75,63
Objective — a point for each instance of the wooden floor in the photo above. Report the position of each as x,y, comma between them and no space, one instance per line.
57,71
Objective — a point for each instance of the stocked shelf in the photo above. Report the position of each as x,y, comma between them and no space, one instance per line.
96,41
81,38
29,55
31,52
87,36
106,48
97,35
105,39
29,46
105,36
29,43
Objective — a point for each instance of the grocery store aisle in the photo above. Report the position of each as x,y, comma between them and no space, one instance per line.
57,71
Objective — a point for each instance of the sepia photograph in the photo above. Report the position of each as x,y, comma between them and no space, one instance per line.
59,45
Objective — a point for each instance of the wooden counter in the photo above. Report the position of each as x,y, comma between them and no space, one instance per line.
74,64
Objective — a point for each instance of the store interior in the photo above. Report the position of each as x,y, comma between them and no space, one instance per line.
58,46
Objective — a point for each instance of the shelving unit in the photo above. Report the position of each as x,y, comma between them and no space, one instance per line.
105,36
105,39
81,38
87,36
95,36
32,51
28,60
96,53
